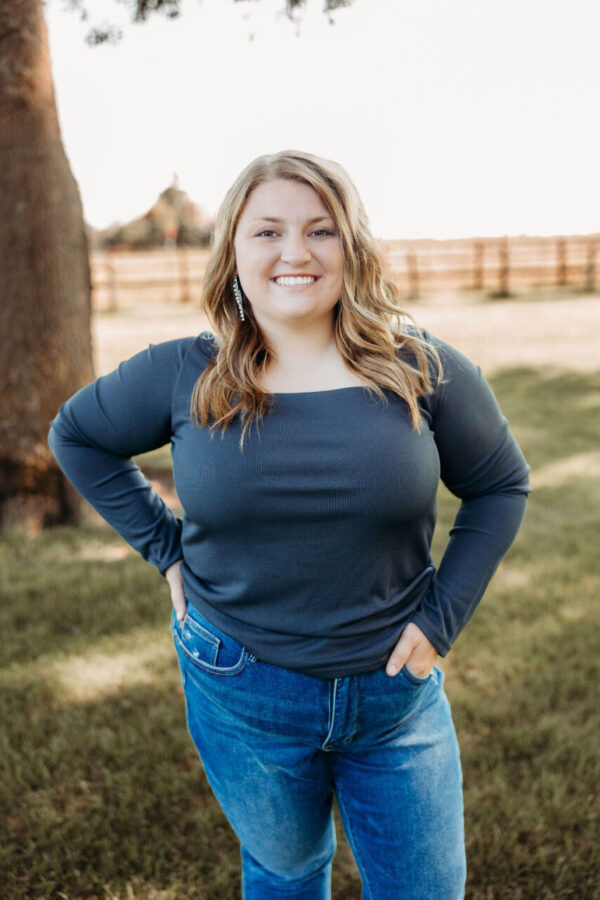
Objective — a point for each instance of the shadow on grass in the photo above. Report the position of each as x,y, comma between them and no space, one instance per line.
108,799
555,414
59,607
110,794
104,796
528,730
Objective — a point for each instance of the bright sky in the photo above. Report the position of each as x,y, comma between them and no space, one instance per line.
453,117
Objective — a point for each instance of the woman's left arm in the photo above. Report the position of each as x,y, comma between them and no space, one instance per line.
99,429
482,464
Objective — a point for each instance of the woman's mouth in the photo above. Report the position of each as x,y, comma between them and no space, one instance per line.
293,280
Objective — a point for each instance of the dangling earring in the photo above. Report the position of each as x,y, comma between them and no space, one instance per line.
238,297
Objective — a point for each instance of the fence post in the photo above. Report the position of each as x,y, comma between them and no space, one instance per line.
590,267
478,265
413,276
503,269
112,280
184,274
561,262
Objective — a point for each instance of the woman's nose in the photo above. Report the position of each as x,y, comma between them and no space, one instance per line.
295,250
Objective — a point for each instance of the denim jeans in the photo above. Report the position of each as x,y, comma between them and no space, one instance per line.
277,745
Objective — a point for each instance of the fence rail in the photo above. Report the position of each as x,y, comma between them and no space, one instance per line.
495,265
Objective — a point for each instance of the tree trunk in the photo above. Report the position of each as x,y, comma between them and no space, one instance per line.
45,340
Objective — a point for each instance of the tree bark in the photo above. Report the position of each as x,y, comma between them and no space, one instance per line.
45,340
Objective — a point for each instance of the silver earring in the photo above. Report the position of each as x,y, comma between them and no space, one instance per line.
238,297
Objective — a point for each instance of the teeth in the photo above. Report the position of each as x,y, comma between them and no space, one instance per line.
288,280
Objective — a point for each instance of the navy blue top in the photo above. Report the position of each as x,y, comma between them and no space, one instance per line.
310,547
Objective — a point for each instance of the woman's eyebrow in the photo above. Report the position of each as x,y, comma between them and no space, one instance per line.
280,221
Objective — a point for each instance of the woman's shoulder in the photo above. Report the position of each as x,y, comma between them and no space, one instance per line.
176,352
451,359
159,367
206,343
454,378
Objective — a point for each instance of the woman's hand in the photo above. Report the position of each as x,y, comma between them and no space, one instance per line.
415,650
173,576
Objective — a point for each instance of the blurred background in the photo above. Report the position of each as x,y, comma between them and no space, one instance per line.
471,133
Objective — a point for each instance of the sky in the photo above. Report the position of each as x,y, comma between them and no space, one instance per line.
454,118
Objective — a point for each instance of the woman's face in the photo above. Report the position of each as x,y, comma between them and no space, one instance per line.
289,256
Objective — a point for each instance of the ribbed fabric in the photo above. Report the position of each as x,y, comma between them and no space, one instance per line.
310,547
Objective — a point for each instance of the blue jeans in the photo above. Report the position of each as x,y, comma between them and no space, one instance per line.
277,745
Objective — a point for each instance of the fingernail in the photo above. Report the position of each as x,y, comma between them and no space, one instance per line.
391,670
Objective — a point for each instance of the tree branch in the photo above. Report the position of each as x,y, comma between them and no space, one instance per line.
142,10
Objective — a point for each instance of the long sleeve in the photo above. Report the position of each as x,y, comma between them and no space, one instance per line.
483,466
103,425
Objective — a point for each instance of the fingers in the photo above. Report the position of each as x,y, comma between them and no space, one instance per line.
173,576
178,599
400,654
179,605
415,649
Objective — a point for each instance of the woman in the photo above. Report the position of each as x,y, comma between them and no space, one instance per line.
309,434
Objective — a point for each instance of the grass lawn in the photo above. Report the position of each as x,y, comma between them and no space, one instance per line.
101,792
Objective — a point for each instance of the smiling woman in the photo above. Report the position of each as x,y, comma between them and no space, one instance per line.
309,433
292,270
340,330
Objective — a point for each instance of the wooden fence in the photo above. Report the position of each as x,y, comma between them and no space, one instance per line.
496,266
122,278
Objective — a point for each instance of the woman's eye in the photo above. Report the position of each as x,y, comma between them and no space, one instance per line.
319,232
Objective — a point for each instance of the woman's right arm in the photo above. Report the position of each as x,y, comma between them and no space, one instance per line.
103,425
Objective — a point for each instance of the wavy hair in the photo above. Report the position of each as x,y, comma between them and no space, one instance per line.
370,329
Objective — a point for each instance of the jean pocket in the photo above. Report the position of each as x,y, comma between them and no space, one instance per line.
416,679
206,647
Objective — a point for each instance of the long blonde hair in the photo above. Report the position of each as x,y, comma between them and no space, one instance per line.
368,322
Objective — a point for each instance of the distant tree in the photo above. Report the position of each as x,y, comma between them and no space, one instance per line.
190,235
45,342
173,218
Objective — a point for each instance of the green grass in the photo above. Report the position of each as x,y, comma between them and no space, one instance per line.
101,792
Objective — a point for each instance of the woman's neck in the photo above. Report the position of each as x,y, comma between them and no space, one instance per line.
306,361
293,348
